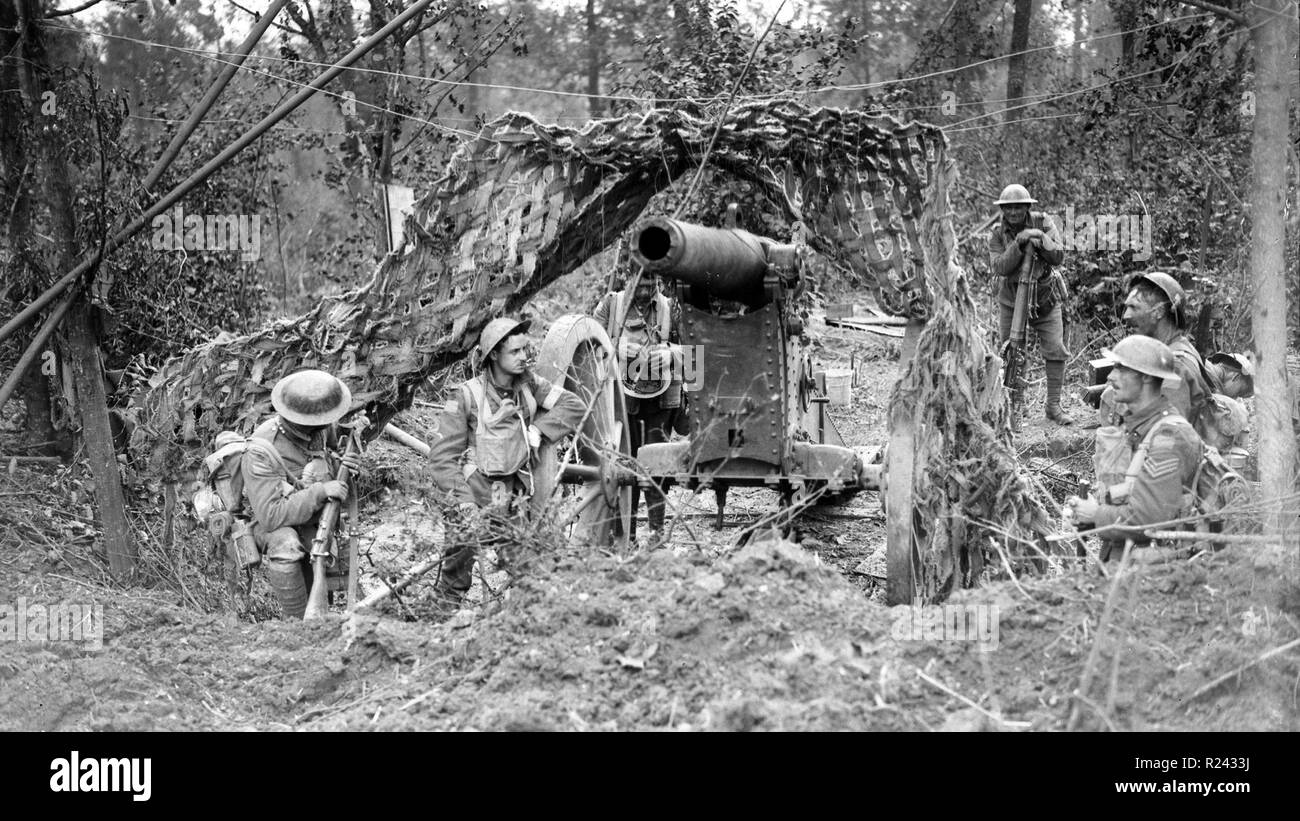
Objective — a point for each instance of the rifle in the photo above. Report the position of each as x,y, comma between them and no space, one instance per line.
318,599
1013,352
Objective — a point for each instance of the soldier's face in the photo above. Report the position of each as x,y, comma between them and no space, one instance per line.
1233,384
511,356
1142,313
1015,214
1126,383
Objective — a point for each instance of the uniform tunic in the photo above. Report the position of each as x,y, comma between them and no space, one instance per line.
651,421
459,480
1165,475
285,507
558,413
1005,256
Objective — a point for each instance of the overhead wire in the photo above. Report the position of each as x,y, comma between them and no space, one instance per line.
636,99
956,127
1074,92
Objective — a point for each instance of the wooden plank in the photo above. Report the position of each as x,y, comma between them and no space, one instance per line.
900,467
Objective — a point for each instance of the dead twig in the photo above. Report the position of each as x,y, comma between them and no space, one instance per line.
1097,709
993,716
1243,668
1085,679
1115,652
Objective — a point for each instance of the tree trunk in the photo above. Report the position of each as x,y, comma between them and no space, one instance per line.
18,176
595,55
89,378
964,26
1277,458
1077,51
1016,65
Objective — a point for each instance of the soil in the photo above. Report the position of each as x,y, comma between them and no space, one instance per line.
698,634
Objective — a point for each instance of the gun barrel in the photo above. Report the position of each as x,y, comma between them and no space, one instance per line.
728,262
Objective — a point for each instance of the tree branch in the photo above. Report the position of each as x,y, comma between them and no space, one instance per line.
1233,15
256,14
65,12
309,31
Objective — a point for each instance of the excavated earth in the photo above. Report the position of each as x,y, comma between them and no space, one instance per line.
698,634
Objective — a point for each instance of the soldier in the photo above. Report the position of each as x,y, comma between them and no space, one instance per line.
1156,307
490,434
1231,374
650,360
1165,449
287,487
1022,231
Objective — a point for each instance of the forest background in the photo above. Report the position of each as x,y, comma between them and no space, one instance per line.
1133,109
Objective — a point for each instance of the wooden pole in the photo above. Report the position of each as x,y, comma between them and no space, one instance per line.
92,404
407,439
900,549
210,98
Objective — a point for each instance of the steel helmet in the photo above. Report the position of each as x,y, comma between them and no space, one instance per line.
311,398
1015,194
1244,362
1145,355
648,375
1167,285
497,330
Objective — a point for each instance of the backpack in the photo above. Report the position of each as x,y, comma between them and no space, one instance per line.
1218,490
1216,486
219,504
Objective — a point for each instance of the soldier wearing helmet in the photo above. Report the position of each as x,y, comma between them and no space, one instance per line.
1232,374
643,327
1019,232
1156,306
286,489
1165,449
490,433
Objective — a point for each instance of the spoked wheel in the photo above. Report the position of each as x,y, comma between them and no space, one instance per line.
577,354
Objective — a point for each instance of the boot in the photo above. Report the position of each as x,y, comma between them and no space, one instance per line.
1055,378
290,588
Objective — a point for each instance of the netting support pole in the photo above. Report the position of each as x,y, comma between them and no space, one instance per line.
900,549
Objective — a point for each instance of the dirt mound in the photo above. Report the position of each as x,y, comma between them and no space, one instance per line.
765,637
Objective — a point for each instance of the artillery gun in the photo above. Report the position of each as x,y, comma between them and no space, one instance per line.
757,410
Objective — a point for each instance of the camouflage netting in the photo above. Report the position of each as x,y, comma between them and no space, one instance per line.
525,203
969,493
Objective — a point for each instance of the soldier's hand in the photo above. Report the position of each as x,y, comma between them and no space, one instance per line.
1085,510
534,437
355,464
335,489
1029,234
